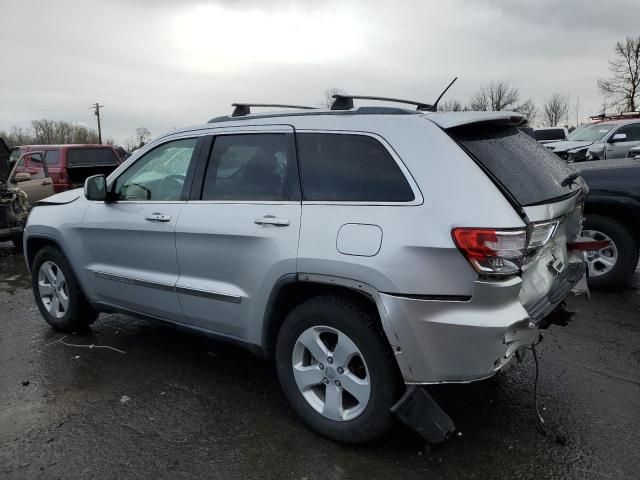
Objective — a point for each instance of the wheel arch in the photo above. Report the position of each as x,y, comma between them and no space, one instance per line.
618,210
292,290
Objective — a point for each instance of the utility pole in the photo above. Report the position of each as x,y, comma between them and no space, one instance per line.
96,106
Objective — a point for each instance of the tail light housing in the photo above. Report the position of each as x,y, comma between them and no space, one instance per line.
504,251
492,251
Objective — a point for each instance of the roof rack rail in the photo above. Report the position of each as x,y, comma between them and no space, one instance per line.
345,102
614,116
242,109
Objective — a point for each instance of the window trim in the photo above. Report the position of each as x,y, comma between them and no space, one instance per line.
188,180
203,162
417,194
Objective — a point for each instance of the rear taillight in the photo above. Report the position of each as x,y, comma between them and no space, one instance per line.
492,251
539,235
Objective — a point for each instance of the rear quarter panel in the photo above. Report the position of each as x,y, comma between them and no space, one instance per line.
417,255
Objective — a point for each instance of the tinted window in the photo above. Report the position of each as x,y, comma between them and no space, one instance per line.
530,172
52,157
549,134
341,167
159,174
91,156
252,167
632,131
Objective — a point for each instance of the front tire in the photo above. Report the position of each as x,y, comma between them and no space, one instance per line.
337,369
57,292
611,267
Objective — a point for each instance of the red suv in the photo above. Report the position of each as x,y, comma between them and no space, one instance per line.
70,165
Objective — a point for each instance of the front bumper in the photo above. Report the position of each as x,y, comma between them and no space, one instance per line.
463,341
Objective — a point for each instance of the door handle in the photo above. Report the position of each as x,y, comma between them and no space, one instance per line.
46,182
272,220
158,217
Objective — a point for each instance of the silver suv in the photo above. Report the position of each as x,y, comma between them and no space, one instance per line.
365,249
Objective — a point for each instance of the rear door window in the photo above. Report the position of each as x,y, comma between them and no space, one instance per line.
349,168
530,172
81,157
52,157
257,167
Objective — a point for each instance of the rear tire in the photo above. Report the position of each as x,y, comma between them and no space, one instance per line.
57,292
368,369
616,276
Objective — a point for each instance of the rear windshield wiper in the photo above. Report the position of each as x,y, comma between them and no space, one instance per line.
570,179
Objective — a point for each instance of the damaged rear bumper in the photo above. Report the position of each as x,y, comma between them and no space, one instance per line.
463,341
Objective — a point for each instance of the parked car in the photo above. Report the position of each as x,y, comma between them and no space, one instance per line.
70,165
612,212
18,191
550,134
634,153
365,249
599,141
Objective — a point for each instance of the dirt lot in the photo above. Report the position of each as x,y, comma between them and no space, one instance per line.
176,405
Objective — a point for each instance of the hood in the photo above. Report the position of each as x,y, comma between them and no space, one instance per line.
566,145
5,168
62,198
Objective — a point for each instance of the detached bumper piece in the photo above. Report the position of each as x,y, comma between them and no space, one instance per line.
563,284
420,412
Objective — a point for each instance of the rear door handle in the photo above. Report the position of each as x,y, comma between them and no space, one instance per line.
272,220
158,217
46,182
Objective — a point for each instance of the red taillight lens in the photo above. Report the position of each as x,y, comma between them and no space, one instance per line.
492,251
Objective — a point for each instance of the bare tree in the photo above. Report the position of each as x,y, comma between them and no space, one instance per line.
142,136
452,105
623,87
555,110
50,132
495,97
529,110
328,99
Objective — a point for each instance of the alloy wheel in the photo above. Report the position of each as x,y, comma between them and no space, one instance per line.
331,373
53,289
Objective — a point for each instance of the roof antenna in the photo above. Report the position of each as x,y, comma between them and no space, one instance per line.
434,107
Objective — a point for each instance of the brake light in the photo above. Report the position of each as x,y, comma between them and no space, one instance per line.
492,251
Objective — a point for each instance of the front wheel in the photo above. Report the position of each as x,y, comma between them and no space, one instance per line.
337,370
57,292
611,267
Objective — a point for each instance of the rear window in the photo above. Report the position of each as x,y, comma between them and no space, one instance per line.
80,157
349,168
549,134
530,172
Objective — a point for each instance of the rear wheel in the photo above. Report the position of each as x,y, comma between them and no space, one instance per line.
612,266
57,292
337,370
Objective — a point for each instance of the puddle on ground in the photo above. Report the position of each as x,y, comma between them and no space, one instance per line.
13,271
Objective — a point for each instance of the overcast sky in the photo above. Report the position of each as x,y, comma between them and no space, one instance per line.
165,64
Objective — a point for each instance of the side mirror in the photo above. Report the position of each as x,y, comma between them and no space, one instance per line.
95,188
618,137
22,177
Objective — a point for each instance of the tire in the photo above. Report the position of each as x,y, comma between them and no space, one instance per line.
625,248
78,314
374,363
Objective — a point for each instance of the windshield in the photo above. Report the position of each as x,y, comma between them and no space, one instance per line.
590,133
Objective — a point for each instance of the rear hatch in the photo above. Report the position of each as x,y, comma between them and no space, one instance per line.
546,192
86,161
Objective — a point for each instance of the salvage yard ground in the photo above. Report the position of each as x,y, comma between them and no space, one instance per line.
175,405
